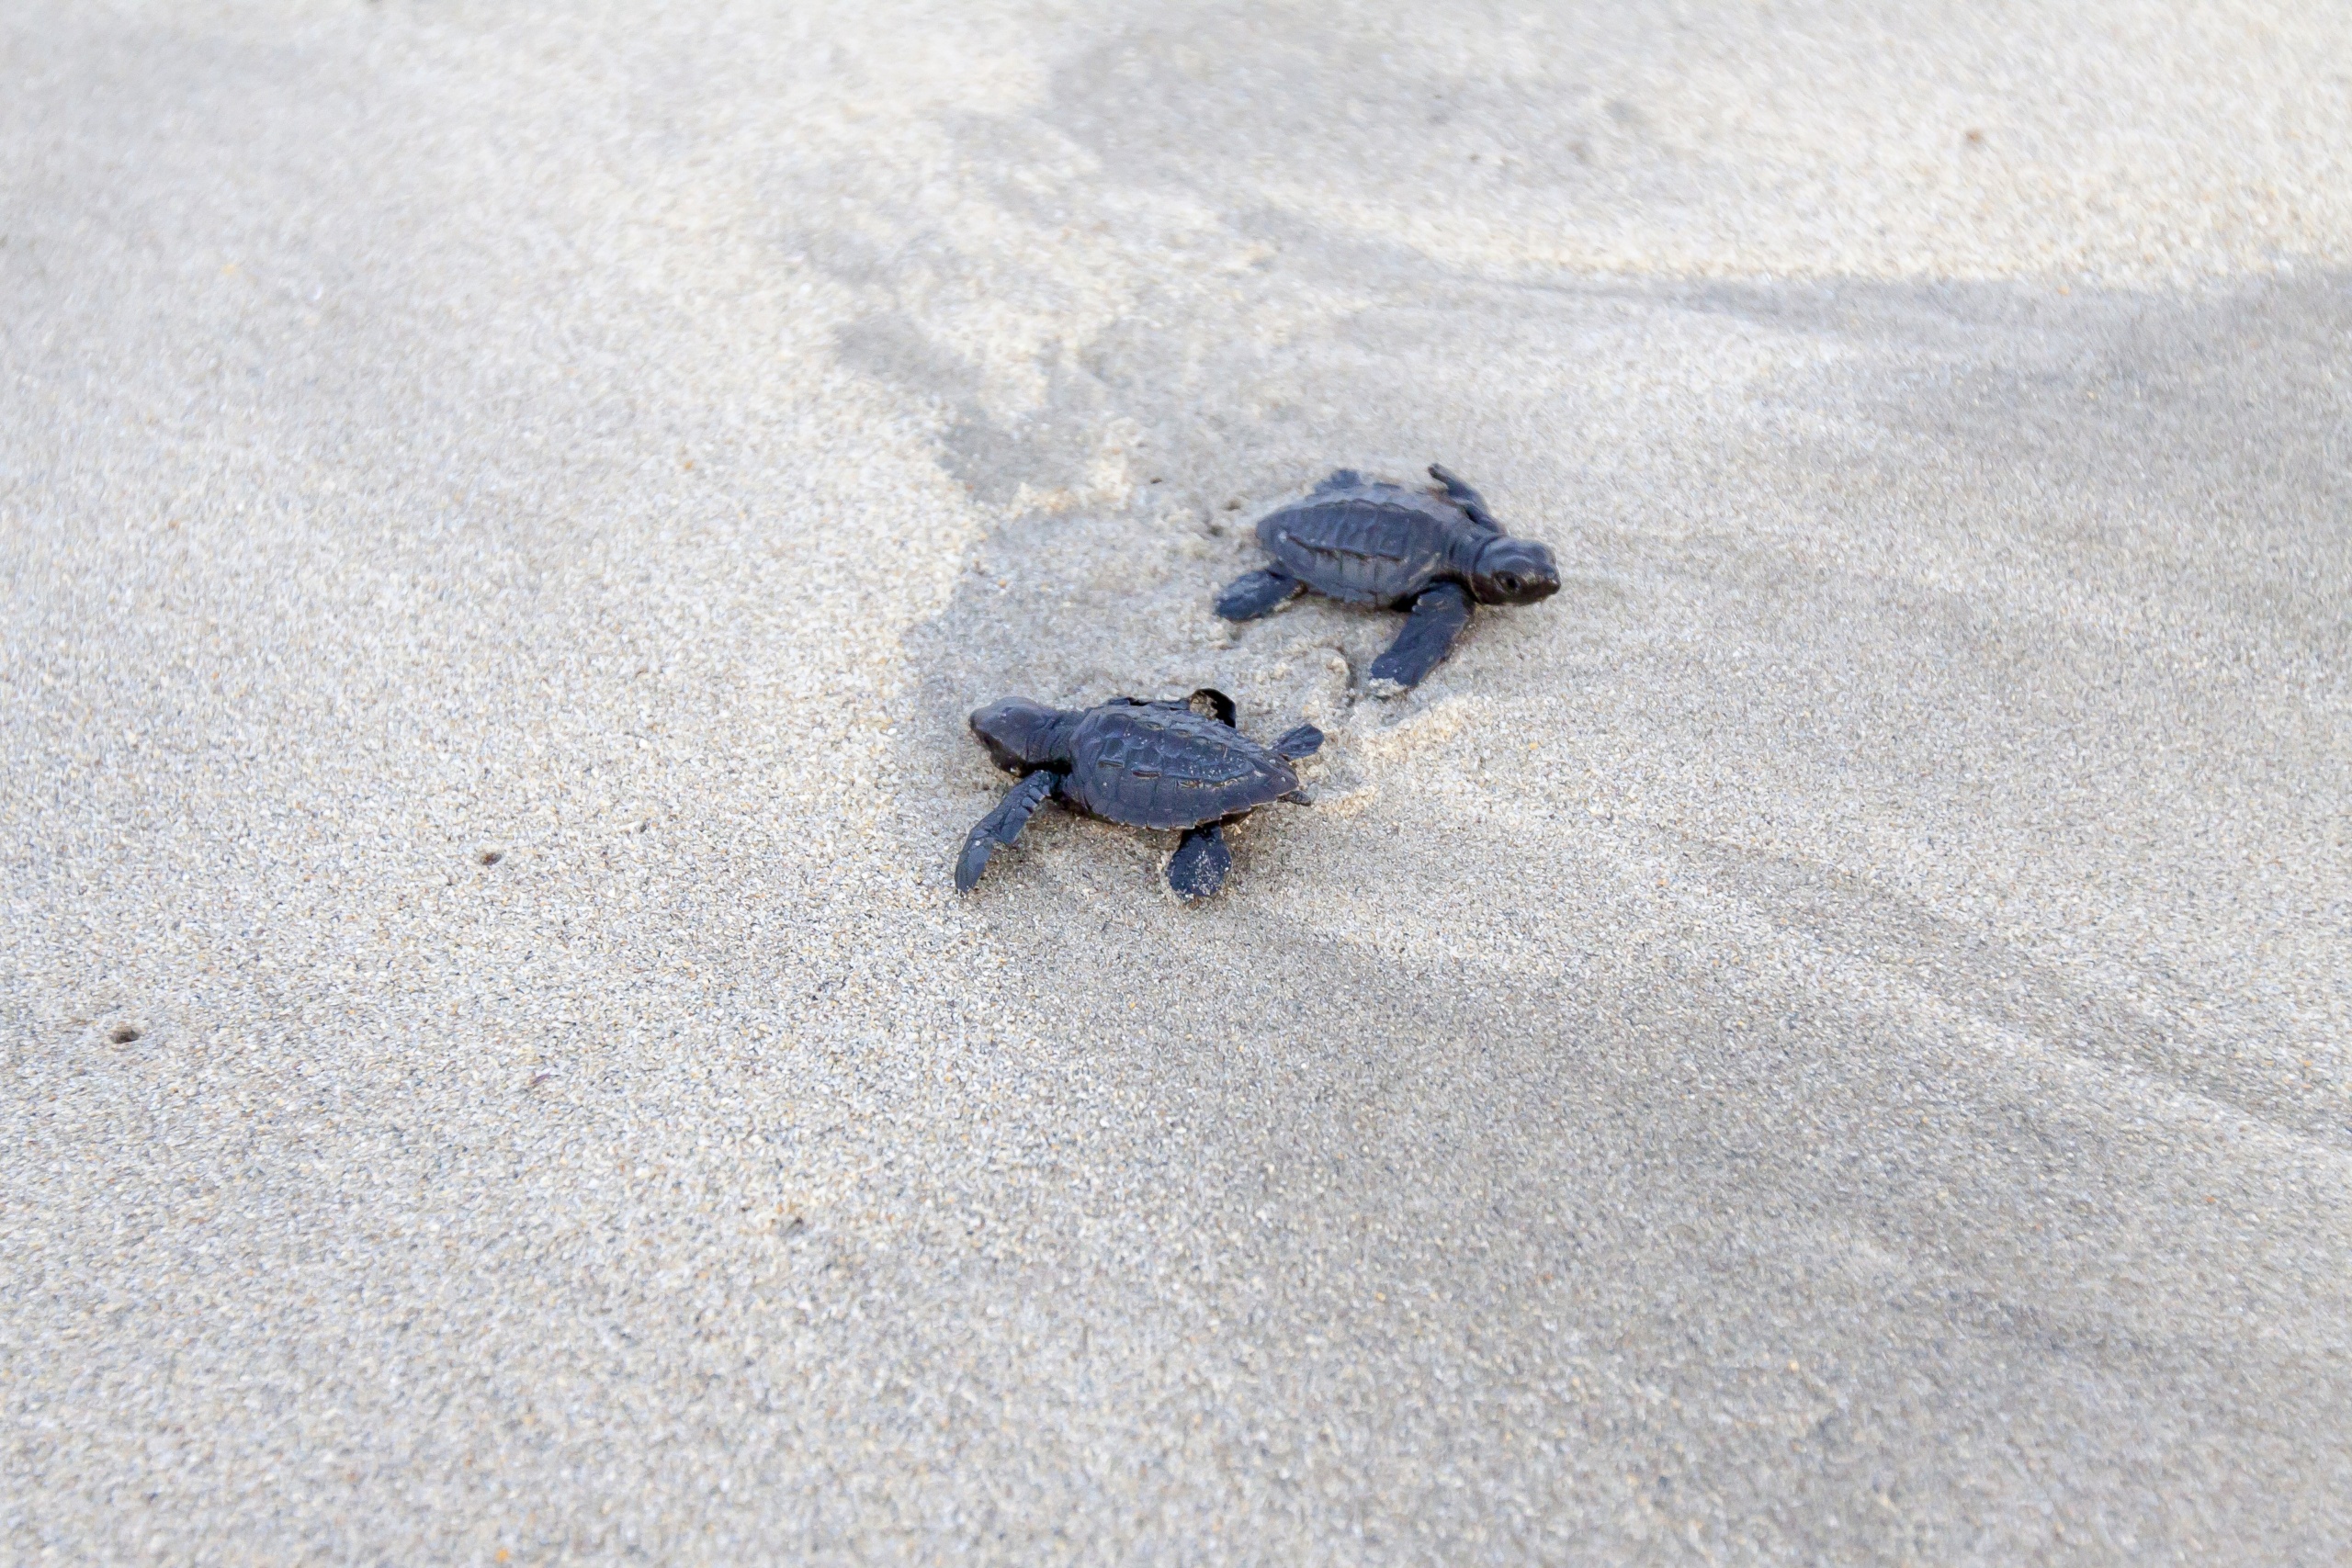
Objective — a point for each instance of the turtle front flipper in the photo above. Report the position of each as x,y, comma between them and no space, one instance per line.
1260,593
1001,825
1438,617
1197,868
1473,504
1292,744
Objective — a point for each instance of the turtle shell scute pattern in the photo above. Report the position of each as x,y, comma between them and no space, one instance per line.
1167,767
1357,548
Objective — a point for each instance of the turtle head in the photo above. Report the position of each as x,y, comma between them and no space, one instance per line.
1022,735
1513,571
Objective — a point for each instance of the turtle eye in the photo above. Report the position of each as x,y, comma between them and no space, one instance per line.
1508,582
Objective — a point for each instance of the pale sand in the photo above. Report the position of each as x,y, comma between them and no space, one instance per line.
1826,1041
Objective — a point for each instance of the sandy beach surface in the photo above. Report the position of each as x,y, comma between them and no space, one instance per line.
1829,1040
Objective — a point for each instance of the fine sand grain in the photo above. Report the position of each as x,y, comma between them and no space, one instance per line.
1827,1040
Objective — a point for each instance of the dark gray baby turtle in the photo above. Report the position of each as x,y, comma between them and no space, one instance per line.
1368,542
1148,764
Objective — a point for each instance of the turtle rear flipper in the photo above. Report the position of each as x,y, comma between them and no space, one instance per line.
1260,593
1197,868
1219,705
1437,619
1001,825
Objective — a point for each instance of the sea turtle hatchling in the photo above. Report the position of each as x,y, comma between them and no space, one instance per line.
1368,542
1148,764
